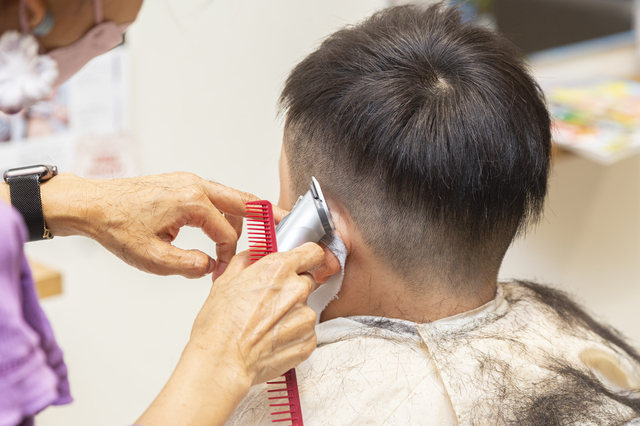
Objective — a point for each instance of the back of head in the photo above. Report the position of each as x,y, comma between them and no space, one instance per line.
429,131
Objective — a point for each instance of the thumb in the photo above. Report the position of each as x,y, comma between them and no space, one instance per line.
171,260
239,263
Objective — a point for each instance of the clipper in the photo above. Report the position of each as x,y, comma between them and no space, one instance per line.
308,221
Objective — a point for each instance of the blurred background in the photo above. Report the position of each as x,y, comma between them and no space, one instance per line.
197,84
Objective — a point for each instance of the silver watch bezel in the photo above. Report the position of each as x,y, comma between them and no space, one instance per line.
44,171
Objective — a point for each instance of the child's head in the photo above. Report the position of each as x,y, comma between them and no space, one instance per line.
428,131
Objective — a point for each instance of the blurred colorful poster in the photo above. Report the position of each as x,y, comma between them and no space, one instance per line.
64,129
598,119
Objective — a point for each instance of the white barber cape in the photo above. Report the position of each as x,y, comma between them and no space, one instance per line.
526,357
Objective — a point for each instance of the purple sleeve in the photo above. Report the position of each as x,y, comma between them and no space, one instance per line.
33,374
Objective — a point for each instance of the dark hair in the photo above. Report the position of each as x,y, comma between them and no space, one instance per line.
429,130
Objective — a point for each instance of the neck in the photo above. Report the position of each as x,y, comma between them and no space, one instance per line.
371,289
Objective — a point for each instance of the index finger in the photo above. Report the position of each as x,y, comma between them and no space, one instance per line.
229,200
233,201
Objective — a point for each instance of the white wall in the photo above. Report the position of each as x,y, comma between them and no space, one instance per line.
206,76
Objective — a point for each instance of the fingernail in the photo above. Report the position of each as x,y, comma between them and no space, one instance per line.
212,265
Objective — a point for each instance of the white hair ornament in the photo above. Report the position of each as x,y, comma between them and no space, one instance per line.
25,75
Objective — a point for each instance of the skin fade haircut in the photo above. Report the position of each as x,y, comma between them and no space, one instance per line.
429,130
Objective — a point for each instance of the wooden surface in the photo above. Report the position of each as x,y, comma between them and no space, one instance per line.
48,281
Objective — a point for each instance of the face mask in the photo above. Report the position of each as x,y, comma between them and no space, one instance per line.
26,77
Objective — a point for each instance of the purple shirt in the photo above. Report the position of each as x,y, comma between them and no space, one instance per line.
33,374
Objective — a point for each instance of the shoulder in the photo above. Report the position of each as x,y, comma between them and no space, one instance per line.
567,315
365,371
368,370
533,347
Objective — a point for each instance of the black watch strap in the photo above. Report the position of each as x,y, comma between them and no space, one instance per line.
25,197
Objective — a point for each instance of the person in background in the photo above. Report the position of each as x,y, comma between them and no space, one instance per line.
254,325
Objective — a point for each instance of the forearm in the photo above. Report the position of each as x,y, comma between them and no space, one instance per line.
137,219
70,205
204,390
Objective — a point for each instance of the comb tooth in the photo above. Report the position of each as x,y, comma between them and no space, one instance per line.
282,412
279,397
280,405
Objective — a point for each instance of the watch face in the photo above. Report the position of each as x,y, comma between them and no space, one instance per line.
45,171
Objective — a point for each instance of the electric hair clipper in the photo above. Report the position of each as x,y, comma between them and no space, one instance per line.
308,221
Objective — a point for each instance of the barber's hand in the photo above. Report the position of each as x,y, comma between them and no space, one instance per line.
254,326
260,312
138,218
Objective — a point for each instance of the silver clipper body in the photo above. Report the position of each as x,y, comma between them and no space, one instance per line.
308,221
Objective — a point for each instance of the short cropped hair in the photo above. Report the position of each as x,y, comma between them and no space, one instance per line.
429,130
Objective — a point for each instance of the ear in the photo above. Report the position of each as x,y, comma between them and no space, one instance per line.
330,267
36,9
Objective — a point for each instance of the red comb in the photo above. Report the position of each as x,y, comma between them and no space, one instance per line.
261,229
262,241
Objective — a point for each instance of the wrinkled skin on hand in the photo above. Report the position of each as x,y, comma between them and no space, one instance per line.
138,218
263,310
254,326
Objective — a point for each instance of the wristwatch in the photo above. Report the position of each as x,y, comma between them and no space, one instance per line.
24,187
